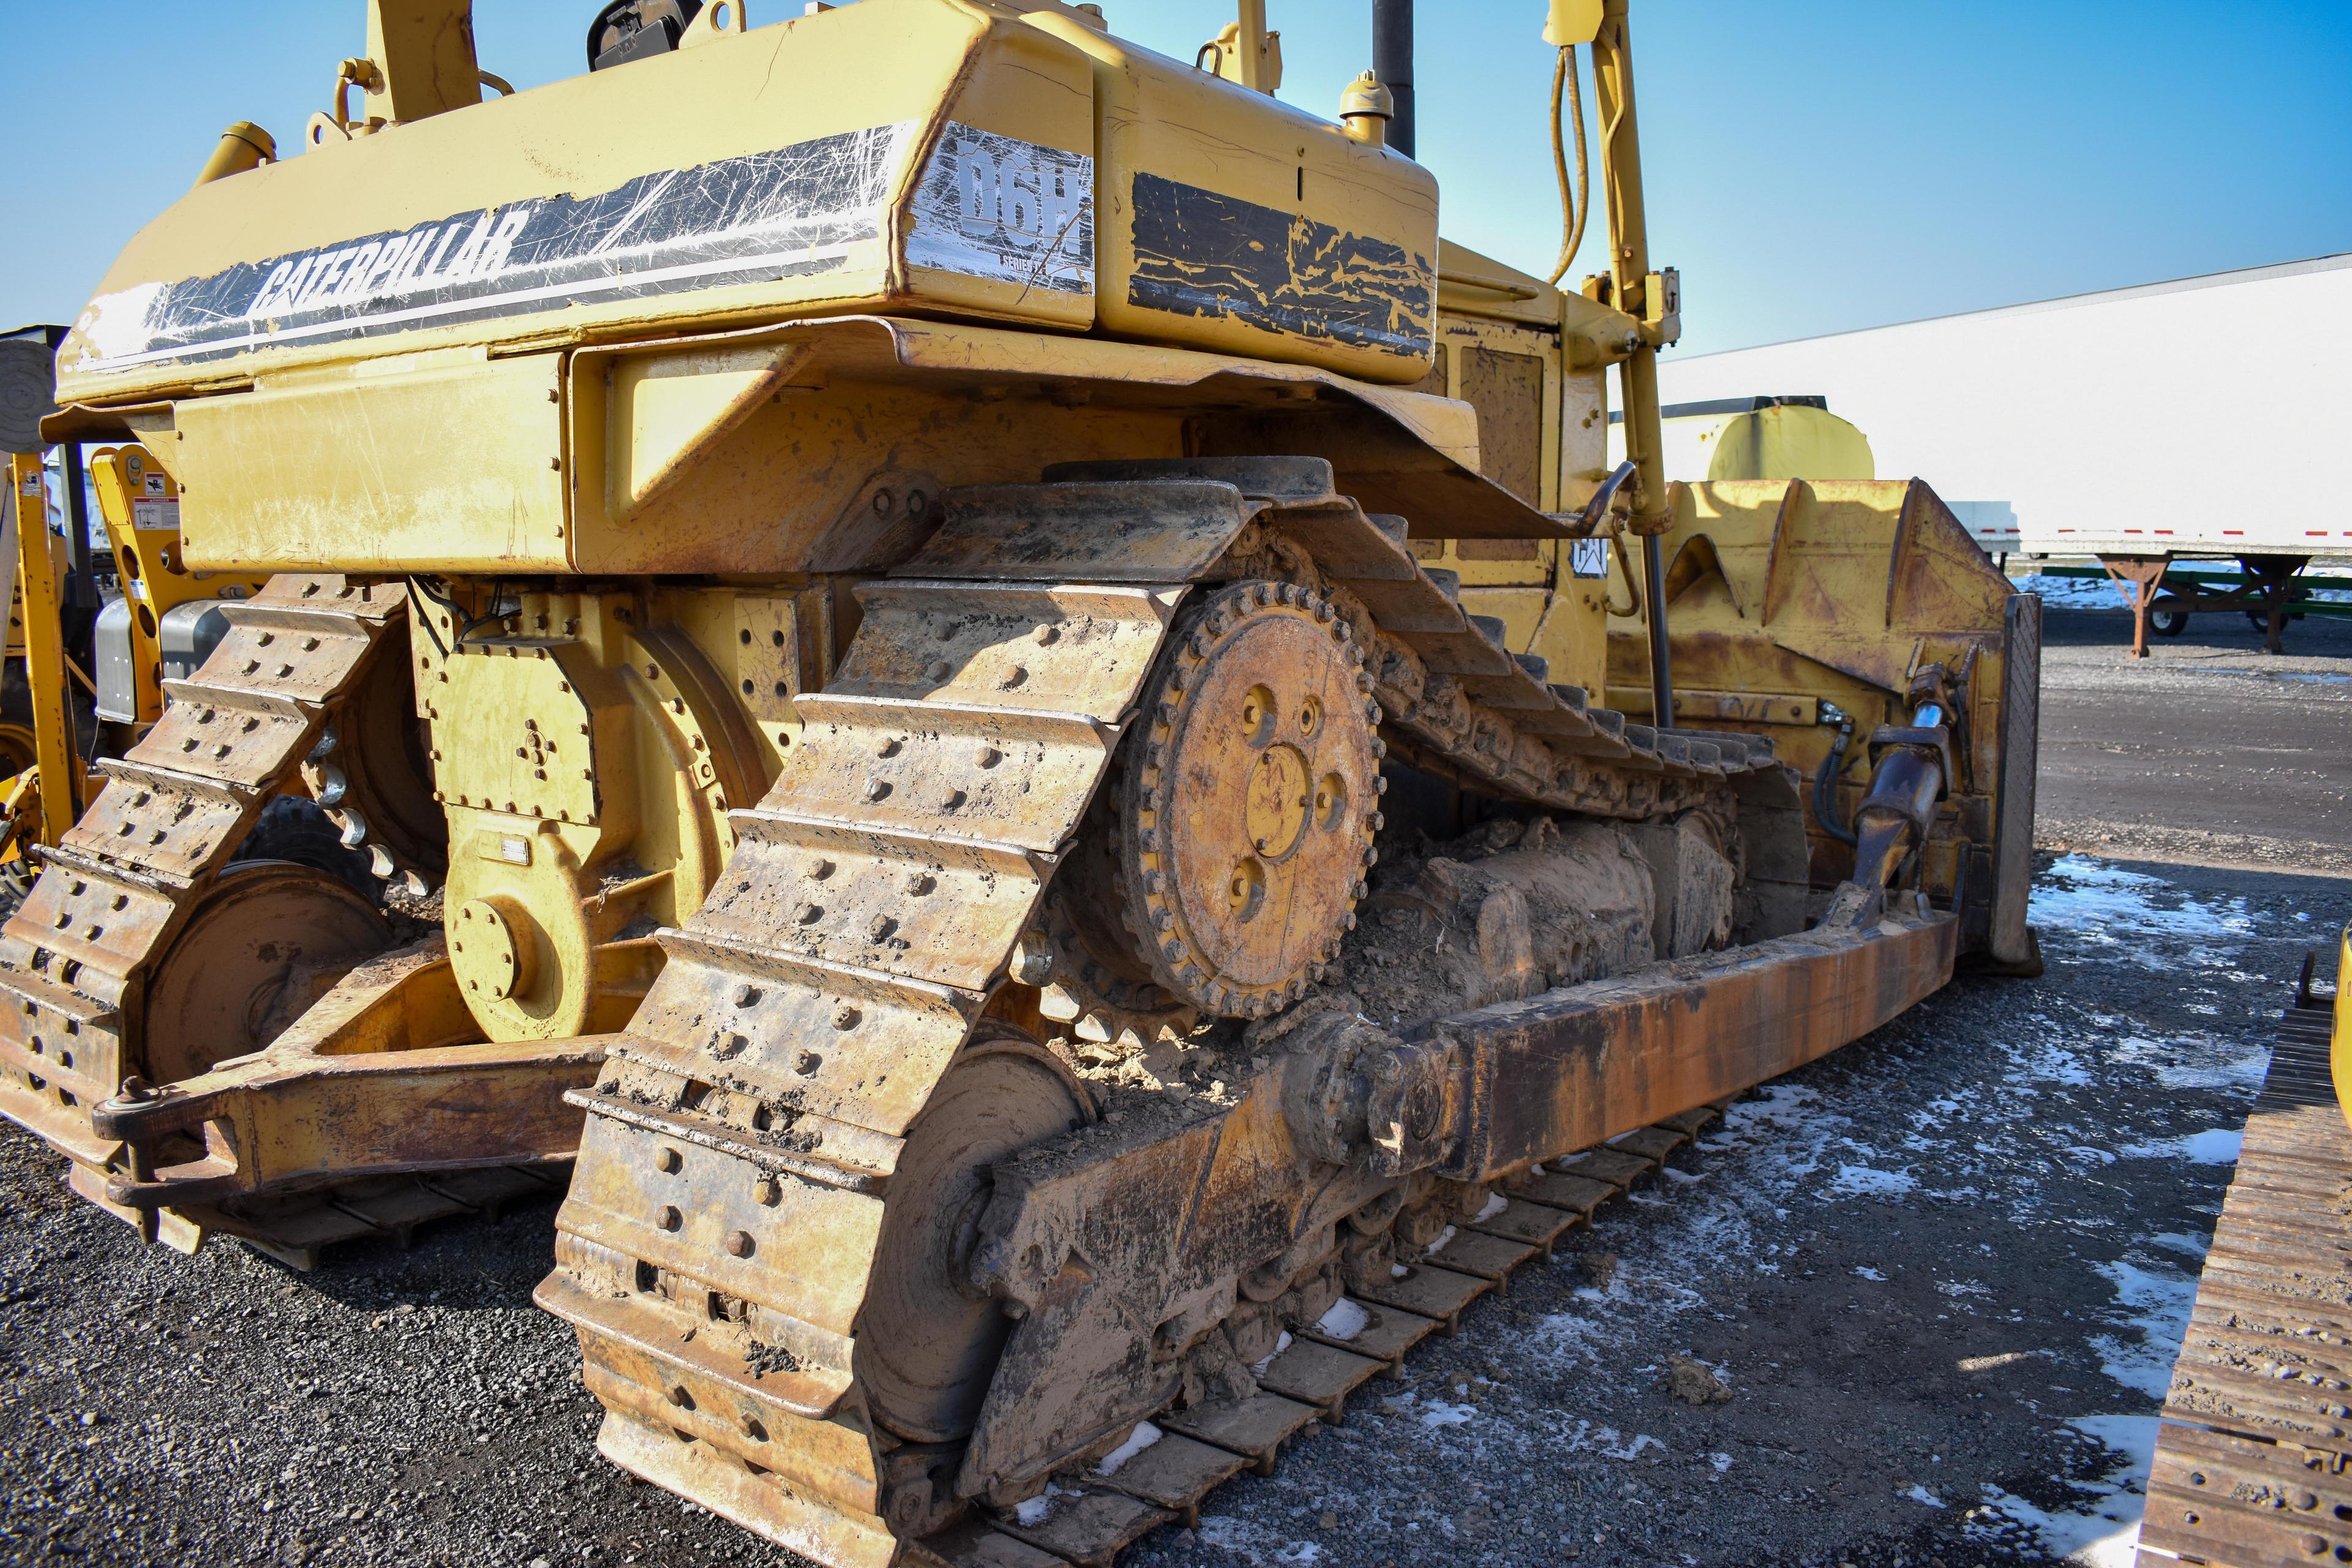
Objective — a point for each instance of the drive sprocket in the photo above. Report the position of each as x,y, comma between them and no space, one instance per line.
1249,805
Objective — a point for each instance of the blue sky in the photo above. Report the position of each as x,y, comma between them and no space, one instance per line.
1810,167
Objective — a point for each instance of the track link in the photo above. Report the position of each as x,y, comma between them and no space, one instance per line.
112,895
733,1190
2253,1454
1306,1382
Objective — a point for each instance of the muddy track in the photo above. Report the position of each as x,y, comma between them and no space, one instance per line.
738,1182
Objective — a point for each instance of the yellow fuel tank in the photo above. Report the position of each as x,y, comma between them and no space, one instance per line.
1732,438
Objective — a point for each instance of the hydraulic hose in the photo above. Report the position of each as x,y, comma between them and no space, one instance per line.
1825,807
1574,205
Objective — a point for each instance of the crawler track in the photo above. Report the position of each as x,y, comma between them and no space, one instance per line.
735,1193
1309,1382
76,959
2253,1457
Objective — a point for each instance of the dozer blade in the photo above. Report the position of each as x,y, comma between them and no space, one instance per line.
1789,603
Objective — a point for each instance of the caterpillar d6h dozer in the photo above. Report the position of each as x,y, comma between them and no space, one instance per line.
995,658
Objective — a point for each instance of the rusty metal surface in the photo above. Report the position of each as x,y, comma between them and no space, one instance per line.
1303,1386
142,949
2253,1457
1245,826
1700,1027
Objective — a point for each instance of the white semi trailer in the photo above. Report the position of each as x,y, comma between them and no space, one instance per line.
2202,417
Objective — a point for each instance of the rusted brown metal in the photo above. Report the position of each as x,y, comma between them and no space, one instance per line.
1199,1447
2253,1455
2138,578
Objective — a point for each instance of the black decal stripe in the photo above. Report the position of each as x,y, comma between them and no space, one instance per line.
1201,254
786,213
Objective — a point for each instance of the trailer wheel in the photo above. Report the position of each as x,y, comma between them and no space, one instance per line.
2168,618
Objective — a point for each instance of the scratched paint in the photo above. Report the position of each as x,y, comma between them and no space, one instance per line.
995,206
1198,253
783,213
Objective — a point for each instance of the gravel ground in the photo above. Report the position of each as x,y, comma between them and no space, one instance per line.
1941,1275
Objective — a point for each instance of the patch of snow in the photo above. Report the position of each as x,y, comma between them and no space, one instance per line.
1282,1344
1632,1450
1438,1412
2154,1300
2102,906
1869,1273
2103,1531
2196,1061
1345,1321
1918,1493
2072,593
1398,1272
1862,1181
1442,1238
1033,1511
1143,1438
1495,1204
1721,1462
2214,1146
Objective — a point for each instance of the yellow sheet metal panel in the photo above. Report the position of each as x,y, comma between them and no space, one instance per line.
2339,1056
141,506
450,462
1783,595
771,173
1231,221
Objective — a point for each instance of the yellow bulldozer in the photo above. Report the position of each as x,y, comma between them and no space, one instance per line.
976,669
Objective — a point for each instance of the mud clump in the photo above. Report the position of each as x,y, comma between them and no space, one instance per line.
1695,1382
1597,1267
1508,909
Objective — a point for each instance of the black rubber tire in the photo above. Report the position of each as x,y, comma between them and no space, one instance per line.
296,827
2166,618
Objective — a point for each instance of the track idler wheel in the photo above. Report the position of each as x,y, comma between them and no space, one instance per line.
269,939
928,1342
1249,803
